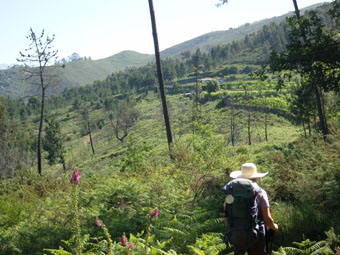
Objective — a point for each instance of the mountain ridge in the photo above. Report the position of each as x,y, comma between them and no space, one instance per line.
207,40
83,72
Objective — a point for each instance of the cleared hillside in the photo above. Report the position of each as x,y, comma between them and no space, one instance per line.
77,73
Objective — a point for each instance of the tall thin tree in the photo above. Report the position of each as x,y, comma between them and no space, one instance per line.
39,54
160,74
85,114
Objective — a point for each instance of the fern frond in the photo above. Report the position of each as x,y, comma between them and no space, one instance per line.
175,231
60,251
278,253
292,251
316,248
196,250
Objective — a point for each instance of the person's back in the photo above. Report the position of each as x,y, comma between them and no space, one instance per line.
247,211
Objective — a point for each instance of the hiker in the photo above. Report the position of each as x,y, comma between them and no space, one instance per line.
247,211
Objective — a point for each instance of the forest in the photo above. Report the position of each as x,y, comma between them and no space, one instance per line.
91,171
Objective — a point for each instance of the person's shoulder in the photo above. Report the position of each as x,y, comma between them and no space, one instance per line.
257,187
262,193
260,190
226,187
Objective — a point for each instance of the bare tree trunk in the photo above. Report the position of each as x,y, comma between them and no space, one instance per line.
160,75
266,122
89,131
196,96
63,162
322,117
232,126
314,118
303,125
323,107
249,135
297,11
41,124
309,127
265,127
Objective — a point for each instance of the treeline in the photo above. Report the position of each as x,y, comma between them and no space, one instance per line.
16,144
254,49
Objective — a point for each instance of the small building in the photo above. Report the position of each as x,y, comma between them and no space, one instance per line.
205,80
186,94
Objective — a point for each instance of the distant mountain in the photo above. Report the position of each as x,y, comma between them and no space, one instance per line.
82,72
206,41
76,73
3,66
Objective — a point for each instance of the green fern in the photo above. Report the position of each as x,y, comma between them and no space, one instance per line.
317,248
306,247
60,251
90,246
211,244
292,251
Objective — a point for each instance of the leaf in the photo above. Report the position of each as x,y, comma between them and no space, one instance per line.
60,251
196,250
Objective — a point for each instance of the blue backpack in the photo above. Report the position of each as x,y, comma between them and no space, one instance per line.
241,207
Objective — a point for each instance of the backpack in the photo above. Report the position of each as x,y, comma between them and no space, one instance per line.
241,207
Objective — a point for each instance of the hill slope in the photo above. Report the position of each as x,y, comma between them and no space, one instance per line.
206,41
76,73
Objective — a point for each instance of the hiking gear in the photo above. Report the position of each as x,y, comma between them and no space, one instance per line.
248,171
269,240
241,209
240,237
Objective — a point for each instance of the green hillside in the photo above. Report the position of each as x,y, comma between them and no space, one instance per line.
207,41
77,73
122,183
80,73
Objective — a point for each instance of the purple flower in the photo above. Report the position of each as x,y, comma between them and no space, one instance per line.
131,245
75,177
123,240
154,214
98,223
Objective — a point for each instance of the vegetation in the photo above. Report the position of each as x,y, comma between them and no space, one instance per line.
133,195
39,55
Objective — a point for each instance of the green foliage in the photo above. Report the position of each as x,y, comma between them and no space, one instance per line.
90,246
208,244
53,142
136,154
122,182
306,247
212,86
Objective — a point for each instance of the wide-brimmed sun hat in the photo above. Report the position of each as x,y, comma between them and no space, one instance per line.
248,171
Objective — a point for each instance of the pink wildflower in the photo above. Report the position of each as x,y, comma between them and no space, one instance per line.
98,223
154,214
123,240
131,245
75,177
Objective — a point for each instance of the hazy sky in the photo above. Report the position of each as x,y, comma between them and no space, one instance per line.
102,28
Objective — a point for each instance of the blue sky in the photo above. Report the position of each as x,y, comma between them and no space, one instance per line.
102,28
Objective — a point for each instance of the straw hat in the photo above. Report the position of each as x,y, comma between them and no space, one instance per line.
248,171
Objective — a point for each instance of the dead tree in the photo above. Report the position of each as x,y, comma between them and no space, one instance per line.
86,118
123,117
39,55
